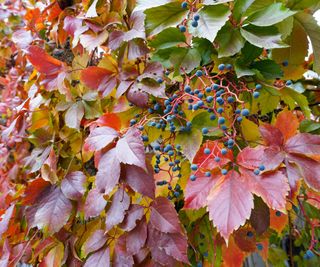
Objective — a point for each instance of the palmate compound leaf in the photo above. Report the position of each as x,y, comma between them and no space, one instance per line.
229,203
130,149
100,137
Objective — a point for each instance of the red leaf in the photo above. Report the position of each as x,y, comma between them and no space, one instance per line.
43,62
271,135
309,169
304,143
130,149
134,214
207,161
73,185
229,203
196,192
272,187
94,76
293,174
108,172
100,137
51,211
137,97
120,203
121,258
287,123
137,237
100,258
95,203
278,221
34,189
233,256
164,216
252,158
95,241
140,180
110,120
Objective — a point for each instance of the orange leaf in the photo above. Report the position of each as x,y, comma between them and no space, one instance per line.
278,220
232,255
287,123
110,120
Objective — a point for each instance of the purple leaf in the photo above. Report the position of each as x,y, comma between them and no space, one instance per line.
137,237
130,149
95,241
134,214
120,203
100,137
304,143
95,203
73,186
164,216
140,180
108,172
100,258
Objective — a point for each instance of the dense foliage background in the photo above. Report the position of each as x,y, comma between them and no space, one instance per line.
159,133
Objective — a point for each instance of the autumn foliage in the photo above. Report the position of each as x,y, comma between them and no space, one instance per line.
159,133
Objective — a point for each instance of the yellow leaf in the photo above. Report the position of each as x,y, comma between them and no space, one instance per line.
250,130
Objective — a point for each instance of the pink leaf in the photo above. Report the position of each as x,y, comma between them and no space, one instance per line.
73,185
140,180
137,237
197,191
130,149
5,218
293,174
134,214
120,203
229,203
108,172
272,187
100,137
164,216
304,143
100,258
95,241
95,203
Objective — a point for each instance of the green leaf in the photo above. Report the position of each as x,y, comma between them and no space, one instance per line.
215,2
268,68
285,27
308,126
270,15
240,7
162,17
163,56
268,100
212,18
205,49
186,58
258,5
203,120
229,40
242,70
293,99
264,37
249,53
309,23
189,149
304,4
168,38
146,4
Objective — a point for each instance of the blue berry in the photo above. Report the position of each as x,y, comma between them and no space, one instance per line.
261,167
207,151
195,107
200,95
200,103
278,213
145,138
194,23
221,67
213,117
196,17
187,89
230,142
209,99
229,67
230,99
256,95
199,264
207,174
224,127
216,159
156,106
308,255
249,234
224,151
167,148
220,110
176,194
224,171
245,112
259,246
221,120
256,171
285,63
178,147
288,83
171,153
193,177
196,91
159,80
258,86
208,89
237,111
239,119
157,147
199,73
184,4
182,28
205,130
133,122
194,167
220,100
188,124
216,87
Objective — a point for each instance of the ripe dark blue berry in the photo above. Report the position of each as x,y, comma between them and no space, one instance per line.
205,130
245,112
278,213
220,110
208,89
184,4
194,167
229,67
187,89
145,138
224,151
207,174
258,86
193,177
159,80
209,99
288,83
230,99
224,171
207,151
256,95
194,23
262,167
285,63
256,171
249,234
259,246
199,73
221,67
216,87
213,117
182,28
221,120
196,17
239,119
216,159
